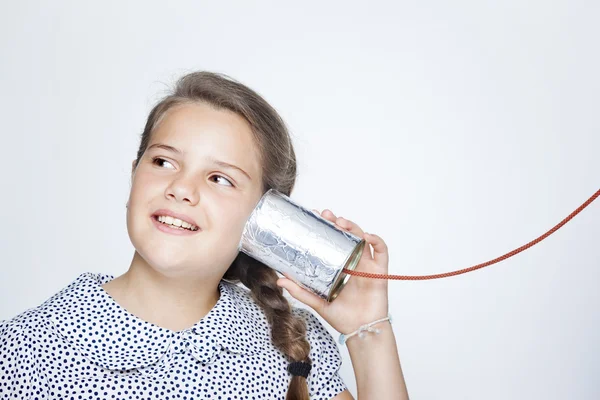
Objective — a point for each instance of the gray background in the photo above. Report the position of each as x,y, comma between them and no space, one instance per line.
457,131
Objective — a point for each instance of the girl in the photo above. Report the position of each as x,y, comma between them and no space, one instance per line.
177,325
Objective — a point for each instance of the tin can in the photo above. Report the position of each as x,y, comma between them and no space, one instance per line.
301,244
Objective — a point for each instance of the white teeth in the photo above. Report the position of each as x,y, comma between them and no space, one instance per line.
165,219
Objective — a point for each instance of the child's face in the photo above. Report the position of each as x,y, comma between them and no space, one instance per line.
218,199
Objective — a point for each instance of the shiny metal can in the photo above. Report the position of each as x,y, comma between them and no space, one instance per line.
301,244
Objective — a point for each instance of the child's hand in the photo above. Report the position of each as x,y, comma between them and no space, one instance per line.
362,300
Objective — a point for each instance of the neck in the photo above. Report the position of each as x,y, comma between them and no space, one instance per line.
175,303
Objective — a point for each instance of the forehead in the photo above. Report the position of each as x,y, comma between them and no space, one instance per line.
200,130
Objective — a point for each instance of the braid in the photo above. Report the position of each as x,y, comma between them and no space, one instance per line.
288,332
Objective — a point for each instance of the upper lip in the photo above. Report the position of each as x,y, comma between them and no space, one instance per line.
183,217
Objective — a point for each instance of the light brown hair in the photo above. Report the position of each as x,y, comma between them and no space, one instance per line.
278,162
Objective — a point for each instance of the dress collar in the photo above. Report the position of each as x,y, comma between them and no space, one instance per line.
86,316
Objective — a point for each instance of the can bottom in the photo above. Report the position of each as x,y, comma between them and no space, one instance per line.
350,264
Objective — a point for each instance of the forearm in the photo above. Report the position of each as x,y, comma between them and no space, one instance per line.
377,366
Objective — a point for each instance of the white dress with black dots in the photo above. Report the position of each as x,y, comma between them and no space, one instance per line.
81,344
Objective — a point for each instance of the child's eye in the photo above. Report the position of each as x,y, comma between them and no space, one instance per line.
221,176
159,161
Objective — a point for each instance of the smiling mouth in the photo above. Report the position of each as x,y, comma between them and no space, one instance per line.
174,226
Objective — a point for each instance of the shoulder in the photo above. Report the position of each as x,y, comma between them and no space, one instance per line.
12,329
317,334
33,319
21,325
319,337
16,360
19,338
17,330
243,305
15,334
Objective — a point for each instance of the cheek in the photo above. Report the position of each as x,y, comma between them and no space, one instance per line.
141,178
231,221
144,186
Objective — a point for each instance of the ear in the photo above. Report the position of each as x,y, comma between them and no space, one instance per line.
132,168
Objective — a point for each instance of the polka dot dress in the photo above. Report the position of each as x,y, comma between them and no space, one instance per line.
81,344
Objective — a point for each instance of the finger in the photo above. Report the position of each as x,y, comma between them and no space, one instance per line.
340,221
356,230
330,216
380,249
327,213
350,226
302,295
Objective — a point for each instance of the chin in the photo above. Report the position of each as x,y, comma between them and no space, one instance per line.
168,266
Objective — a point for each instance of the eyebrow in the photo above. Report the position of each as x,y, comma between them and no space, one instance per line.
211,159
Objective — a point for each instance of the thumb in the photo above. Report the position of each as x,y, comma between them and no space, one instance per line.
302,295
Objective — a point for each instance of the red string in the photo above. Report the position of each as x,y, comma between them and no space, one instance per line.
485,264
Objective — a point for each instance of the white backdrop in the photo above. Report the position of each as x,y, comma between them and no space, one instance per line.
457,131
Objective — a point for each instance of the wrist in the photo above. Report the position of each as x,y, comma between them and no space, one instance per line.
374,327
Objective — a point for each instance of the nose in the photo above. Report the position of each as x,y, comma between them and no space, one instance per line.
183,190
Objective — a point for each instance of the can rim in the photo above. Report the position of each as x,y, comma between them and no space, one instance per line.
342,278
